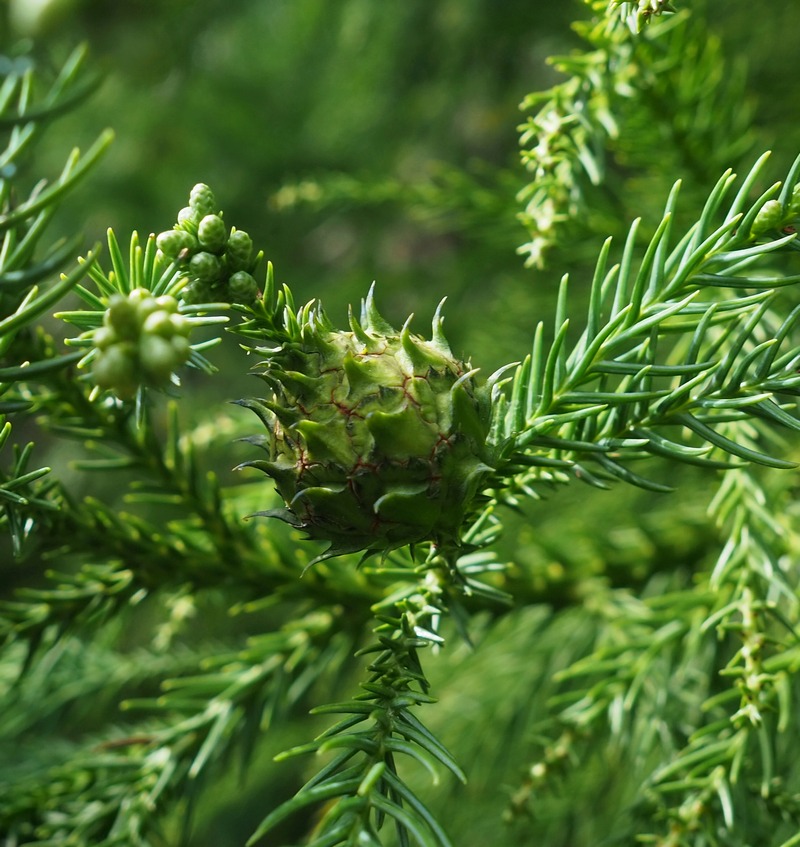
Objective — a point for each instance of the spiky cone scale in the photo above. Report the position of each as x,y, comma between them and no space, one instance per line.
376,438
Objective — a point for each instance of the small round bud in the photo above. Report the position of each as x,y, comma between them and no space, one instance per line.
205,267
121,316
104,337
212,234
137,295
188,219
538,771
146,307
174,241
243,288
167,303
180,325
196,292
158,323
769,217
114,368
202,200
158,358
181,348
239,250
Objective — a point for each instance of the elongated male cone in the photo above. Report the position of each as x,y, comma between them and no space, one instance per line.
376,438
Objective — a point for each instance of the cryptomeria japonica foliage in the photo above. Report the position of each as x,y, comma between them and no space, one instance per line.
177,628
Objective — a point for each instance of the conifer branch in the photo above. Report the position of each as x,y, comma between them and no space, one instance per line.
660,351
479,204
619,101
363,785
111,788
730,760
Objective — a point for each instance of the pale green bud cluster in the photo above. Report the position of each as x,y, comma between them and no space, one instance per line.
143,340
219,263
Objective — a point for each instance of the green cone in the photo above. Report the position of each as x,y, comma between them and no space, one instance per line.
376,438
